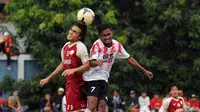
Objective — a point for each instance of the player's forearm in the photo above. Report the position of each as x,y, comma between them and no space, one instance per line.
134,63
84,67
93,63
56,71
11,107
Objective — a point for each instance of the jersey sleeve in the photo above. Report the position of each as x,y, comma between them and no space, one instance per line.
122,54
165,105
61,54
185,106
94,51
82,52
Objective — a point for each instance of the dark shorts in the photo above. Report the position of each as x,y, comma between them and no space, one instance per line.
98,88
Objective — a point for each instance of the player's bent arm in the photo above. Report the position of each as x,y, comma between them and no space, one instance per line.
186,107
165,105
93,63
56,71
84,67
134,63
18,102
9,104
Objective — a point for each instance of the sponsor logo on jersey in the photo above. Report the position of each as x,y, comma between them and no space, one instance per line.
68,61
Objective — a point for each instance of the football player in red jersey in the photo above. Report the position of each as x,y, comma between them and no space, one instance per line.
174,103
74,60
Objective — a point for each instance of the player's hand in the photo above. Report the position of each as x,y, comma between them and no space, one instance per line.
149,74
44,81
99,62
68,72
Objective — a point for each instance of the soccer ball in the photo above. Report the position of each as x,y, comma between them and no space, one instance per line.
85,16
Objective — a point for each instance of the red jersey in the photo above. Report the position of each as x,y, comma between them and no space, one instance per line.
73,56
71,60
173,105
2,102
194,103
155,103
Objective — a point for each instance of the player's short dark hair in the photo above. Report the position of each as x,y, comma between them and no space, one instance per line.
83,28
1,93
172,85
103,27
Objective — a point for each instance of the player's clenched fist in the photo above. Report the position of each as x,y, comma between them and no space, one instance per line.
44,81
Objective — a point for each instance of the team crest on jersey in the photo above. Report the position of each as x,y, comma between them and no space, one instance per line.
71,52
67,54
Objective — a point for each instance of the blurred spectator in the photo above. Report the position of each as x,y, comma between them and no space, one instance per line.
57,100
7,41
155,103
2,102
194,104
14,102
45,104
181,94
144,102
64,103
166,97
133,102
117,104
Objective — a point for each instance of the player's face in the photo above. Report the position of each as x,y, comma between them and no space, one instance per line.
106,36
115,93
144,94
132,95
74,34
174,92
60,93
47,96
156,96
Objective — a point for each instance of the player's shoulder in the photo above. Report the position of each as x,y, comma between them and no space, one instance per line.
115,41
79,43
98,41
168,100
181,98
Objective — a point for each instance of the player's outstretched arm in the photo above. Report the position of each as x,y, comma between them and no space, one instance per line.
82,68
56,71
134,63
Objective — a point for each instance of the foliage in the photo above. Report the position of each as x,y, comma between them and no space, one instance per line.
164,36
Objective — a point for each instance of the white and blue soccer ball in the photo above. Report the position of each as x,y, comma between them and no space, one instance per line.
86,16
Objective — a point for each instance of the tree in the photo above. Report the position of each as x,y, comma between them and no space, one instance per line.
164,37
44,25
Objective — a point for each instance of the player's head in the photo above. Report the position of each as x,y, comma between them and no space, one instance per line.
132,94
15,92
180,92
47,96
115,93
144,94
6,34
173,90
156,95
77,32
105,34
60,91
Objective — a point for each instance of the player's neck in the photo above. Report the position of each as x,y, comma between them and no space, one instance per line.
108,45
72,42
175,97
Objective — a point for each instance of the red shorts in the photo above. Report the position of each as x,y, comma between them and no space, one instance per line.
74,99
